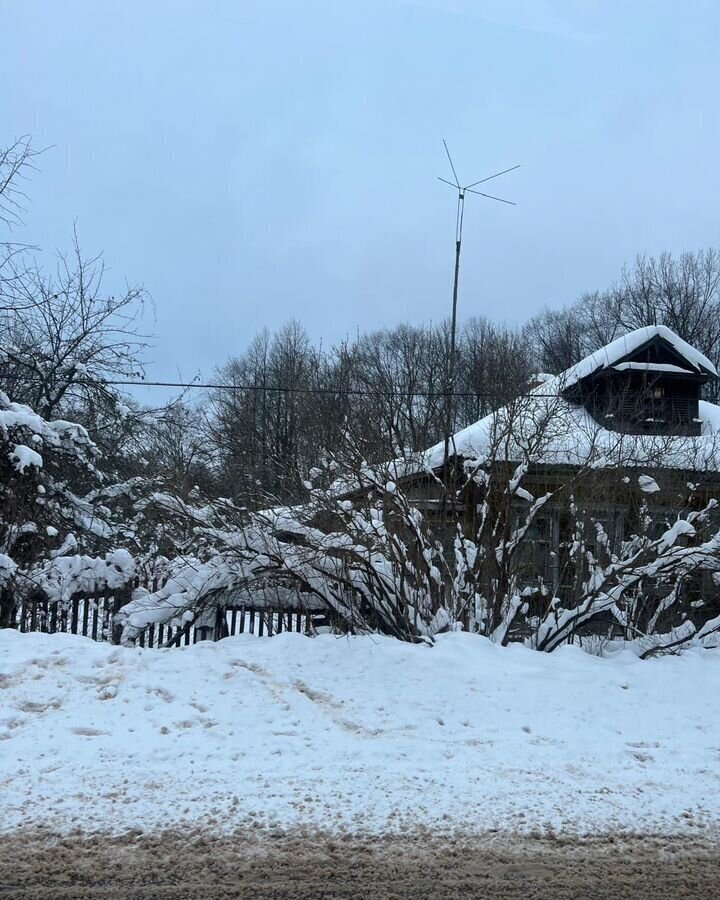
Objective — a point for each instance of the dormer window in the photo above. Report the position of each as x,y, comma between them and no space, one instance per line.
646,382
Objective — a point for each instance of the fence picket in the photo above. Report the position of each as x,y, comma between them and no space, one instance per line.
74,615
86,613
95,613
105,618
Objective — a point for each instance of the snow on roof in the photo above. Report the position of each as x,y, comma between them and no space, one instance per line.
547,427
650,367
552,430
621,347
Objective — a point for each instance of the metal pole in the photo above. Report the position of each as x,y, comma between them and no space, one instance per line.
453,328
453,325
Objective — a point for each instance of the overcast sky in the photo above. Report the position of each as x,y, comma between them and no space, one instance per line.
250,162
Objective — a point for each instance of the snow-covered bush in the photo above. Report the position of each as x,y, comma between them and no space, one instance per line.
335,557
47,507
362,547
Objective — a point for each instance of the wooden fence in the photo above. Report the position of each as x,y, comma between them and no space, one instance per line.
232,620
94,616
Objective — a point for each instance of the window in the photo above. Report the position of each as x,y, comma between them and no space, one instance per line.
534,555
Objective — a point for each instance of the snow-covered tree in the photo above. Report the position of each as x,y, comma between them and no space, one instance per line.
47,471
361,547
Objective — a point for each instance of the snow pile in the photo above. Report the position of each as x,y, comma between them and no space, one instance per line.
648,485
23,457
368,734
8,568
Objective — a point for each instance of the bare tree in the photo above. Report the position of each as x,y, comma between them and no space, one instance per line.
263,418
16,161
177,450
64,338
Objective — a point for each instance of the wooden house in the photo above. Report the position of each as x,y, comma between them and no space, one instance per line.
630,416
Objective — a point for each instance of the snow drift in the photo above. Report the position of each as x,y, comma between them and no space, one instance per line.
368,734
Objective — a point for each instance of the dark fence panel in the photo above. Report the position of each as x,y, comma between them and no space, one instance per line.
94,616
91,615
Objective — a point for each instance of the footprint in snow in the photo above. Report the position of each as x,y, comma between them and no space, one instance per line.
162,694
33,706
251,667
316,696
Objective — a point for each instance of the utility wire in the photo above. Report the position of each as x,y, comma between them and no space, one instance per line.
351,392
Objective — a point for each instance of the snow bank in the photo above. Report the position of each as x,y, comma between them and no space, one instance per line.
366,733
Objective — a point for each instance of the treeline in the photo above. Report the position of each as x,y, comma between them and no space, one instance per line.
389,386
284,400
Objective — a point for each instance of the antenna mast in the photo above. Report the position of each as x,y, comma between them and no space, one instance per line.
461,191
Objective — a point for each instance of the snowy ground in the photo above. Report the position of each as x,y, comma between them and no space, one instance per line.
361,734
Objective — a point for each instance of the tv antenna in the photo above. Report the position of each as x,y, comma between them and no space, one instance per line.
460,215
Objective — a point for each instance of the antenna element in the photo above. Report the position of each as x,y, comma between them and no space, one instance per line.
459,216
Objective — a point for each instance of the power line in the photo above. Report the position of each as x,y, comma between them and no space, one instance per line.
280,389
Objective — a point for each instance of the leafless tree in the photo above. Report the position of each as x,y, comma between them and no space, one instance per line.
16,161
64,337
262,420
284,402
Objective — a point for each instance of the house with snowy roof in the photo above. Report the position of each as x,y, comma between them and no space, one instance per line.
646,385
630,417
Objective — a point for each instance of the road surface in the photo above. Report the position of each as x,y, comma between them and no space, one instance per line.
306,866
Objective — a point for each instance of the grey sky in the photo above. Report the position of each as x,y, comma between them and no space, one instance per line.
255,161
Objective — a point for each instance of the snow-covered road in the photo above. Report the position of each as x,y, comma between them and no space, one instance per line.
364,734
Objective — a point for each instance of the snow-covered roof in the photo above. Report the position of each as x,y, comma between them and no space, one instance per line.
545,425
616,351
650,367
566,433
